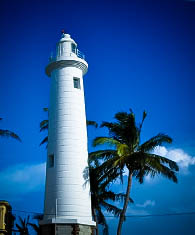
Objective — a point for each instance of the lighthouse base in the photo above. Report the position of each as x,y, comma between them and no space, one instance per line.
67,229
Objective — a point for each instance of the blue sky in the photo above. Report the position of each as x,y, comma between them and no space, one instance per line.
141,55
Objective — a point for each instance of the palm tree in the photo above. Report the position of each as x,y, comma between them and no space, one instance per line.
23,226
7,133
100,194
45,124
127,152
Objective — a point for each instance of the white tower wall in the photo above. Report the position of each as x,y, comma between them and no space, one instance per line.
67,197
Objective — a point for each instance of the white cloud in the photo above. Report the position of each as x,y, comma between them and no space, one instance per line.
146,204
137,211
22,179
183,159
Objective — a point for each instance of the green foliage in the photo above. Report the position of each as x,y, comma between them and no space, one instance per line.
124,137
127,151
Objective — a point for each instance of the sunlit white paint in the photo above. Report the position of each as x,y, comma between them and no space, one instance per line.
67,198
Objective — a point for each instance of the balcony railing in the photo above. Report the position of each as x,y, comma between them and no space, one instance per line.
77,52
80,54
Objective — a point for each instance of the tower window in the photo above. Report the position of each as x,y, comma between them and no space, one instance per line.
51,160
76,82
73,48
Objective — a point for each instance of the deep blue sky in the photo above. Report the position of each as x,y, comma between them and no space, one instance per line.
141,55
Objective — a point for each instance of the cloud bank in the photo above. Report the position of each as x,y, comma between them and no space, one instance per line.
183,159
147,203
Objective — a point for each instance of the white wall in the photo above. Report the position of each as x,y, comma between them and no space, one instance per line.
68,143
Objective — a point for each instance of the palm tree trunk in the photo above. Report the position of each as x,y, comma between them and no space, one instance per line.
96,220
122,215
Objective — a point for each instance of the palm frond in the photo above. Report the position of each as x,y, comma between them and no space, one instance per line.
102,154
109,125
109,195
121,197
91,123
35,227
125,129
109,176
123,150
143,118
121,161
105,140
44,125
152,164
18,227
45,140
7,133
173,165
122,117
107,165
45,109
156,162
111,208
27,220
38,216
155,141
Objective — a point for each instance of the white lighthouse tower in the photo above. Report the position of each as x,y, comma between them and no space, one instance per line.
67,208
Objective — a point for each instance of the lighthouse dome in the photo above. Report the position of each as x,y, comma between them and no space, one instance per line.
66,38
66,46
66,54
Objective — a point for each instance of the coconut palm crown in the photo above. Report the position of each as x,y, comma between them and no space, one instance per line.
124,150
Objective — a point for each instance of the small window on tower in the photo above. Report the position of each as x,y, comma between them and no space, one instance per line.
73,48
51,160
76,82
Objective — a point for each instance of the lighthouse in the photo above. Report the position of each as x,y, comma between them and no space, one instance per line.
67,206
